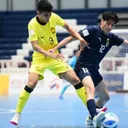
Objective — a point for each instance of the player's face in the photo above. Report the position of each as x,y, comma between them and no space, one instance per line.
107,26
44,16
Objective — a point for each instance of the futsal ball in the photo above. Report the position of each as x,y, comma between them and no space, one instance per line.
111,121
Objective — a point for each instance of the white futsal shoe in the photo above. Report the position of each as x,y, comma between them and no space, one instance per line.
89,121
15,120
97,120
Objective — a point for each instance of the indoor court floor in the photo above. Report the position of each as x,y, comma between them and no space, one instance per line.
51,112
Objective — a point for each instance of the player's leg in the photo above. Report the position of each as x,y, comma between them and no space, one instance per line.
94,118
35,74
32,82
102,93
66,72
101,90
86,77
71,77
24,96
90,90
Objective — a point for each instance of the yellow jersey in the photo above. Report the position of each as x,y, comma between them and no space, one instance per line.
44,34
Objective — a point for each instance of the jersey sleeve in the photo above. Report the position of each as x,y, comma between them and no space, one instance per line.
32,33
88,31
59,20
117,40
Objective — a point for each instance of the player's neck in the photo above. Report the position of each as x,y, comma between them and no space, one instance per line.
40,21
105,33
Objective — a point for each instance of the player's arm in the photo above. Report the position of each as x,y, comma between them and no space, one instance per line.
76,35
126,41
34,41
63,43
37,48
68,40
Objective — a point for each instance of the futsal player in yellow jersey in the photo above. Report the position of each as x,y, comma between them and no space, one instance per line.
42,34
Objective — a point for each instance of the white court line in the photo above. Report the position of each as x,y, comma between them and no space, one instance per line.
6,111
79,111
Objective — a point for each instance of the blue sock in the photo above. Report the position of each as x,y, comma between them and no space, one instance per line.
91,107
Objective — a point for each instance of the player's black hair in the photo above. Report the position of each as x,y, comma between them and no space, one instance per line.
44,6
110,16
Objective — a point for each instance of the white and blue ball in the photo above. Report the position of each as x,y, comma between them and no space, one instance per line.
111,121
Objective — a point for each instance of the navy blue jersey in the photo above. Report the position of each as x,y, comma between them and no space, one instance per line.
99,44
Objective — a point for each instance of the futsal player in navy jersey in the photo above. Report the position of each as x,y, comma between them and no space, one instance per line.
100,41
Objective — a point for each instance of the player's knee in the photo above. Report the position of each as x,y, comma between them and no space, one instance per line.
32,84
75,81
90,89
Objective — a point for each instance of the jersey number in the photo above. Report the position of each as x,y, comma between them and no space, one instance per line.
102,48
85,70
51,40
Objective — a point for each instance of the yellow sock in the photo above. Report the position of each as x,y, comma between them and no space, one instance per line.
81,92
23,98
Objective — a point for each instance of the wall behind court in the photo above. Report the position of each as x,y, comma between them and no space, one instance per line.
3,5
54,3
18,5
98,4
119,3
73,4
23,5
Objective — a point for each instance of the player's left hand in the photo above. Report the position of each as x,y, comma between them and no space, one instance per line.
56,56
60,56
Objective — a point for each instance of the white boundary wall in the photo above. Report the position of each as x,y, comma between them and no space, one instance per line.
45,87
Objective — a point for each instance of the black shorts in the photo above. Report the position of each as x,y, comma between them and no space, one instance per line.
82,72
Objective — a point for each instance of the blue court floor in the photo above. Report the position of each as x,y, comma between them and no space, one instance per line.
51,112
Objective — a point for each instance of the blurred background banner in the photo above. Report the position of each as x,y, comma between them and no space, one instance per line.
114,81
4,84
13,83
49,86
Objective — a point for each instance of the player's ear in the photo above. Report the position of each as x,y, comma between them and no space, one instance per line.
38,12
102,20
